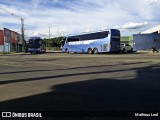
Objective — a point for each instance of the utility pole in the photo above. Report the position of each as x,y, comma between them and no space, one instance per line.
49,33
22,34
22,26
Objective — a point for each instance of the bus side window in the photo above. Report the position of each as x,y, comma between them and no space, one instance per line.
68,40
72,39
75,39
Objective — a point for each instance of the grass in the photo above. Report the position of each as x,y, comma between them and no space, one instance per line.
7,52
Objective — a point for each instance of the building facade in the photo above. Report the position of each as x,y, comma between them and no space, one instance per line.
146,41
10,41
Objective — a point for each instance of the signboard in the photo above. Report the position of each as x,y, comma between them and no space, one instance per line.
7,35
13,37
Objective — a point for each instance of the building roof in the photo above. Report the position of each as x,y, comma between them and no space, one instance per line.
155,29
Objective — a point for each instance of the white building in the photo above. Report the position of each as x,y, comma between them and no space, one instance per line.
155,29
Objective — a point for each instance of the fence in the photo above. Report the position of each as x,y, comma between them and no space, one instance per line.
54,48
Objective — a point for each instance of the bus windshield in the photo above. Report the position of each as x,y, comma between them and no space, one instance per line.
34,43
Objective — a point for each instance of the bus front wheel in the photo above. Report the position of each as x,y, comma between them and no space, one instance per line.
89,51
66,50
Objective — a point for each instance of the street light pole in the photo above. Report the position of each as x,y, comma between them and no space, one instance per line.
49,33
22,26
22,34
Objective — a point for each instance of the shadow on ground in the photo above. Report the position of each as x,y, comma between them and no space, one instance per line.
141,94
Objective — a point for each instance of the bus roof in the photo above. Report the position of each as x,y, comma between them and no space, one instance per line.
83,33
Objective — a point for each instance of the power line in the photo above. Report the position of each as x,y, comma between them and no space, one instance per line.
6,10
22,24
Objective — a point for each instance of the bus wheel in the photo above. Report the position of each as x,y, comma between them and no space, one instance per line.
66,50
89,51
95,51
123,50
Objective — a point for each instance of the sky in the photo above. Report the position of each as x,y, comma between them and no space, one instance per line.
64,17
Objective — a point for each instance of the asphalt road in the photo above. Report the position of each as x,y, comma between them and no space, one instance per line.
80,82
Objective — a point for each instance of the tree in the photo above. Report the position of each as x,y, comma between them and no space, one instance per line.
53,42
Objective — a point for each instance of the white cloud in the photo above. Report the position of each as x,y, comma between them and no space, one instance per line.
72,16
153,2
132,25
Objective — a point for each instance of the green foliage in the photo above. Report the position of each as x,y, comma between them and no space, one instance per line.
4,52
53,42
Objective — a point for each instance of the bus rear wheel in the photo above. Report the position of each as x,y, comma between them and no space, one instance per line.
95,51
89,51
